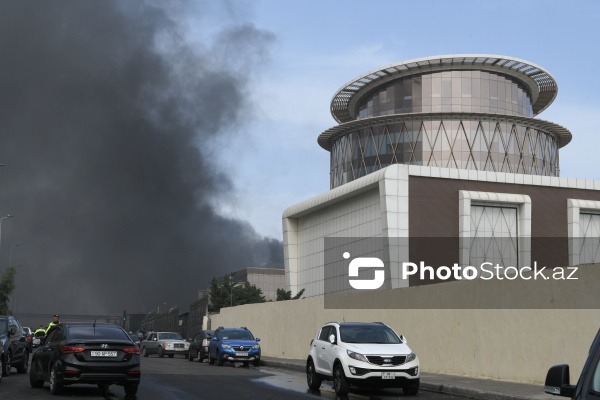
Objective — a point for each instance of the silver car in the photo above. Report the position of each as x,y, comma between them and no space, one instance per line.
161,343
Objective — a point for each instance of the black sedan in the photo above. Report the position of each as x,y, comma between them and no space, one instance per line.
86,352
199,345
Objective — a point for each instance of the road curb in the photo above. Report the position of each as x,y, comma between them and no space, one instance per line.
427,386
471,393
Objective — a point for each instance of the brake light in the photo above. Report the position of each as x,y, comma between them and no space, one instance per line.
131,350
133,372
71,349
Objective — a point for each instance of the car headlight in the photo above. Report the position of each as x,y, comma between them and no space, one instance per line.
226,346
256,346
357,356
410,357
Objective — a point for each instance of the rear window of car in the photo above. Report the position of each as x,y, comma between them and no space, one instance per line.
88,332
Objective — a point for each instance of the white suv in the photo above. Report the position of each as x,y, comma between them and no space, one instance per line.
361,354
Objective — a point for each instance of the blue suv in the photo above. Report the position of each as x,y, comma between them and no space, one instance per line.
234,345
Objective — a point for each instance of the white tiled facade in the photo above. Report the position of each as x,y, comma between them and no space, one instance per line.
377,206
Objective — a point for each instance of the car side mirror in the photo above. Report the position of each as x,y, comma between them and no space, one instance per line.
403,339
557,381
258,339
332,339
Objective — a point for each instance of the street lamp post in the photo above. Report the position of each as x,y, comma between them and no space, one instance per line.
2,219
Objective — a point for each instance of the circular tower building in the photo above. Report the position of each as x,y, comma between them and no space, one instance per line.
457,111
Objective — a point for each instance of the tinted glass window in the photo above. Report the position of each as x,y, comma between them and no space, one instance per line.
237,335
169,336
325,332
595,383
3,326
369,334
87,332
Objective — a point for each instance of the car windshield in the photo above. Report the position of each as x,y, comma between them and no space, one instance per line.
369,334
3,326
169,336
87,332
237,335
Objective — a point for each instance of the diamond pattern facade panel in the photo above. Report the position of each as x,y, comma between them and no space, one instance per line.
481,145
589,226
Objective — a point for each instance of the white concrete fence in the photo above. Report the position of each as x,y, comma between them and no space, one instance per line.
507,344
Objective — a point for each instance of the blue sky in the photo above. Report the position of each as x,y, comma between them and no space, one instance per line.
321,45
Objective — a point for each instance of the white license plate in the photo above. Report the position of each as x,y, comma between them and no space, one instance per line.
240,354
388,375
180,349
104,353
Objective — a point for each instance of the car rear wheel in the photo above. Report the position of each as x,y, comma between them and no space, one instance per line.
312,379
131,389
412,388
34,379
55,387
24,364
6,364
340,383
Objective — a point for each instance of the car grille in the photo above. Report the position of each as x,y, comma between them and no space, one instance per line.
241,348
381,360
178,345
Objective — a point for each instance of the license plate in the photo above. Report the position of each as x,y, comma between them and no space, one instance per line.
104,353
240,354
388,375
182,349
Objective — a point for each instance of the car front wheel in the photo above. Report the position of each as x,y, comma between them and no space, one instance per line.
6,364
340,383
145,352
211,360
161,353
219,360
312,379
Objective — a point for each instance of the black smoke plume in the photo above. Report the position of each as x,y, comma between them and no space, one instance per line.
112,124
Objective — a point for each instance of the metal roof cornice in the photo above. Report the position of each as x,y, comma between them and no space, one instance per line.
562,134
541,84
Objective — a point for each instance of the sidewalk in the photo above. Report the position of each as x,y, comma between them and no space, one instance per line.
486,389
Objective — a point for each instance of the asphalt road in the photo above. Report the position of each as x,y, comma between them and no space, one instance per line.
179,379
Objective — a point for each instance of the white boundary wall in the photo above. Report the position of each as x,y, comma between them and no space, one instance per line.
505,344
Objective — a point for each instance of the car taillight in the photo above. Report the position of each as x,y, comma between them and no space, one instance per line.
133,372
71,349
131,350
